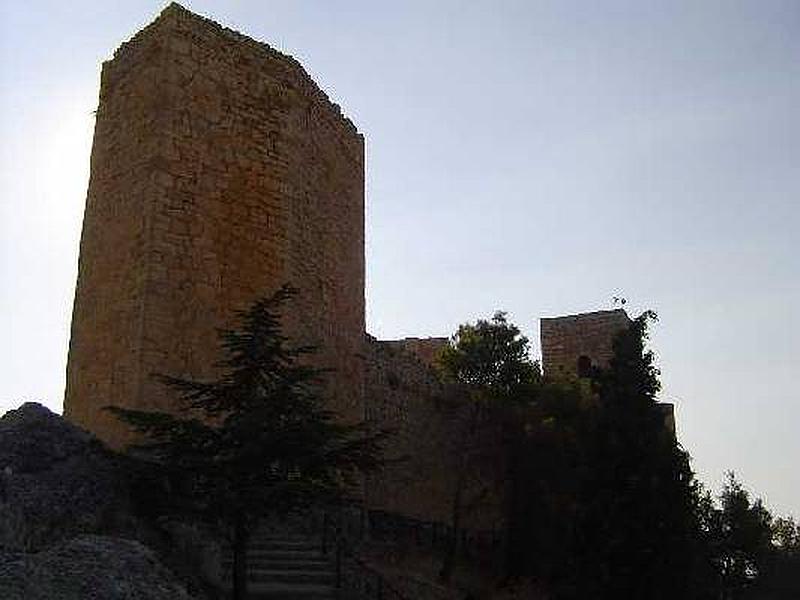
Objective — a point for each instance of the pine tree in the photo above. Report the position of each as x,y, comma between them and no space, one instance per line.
637,519
257,440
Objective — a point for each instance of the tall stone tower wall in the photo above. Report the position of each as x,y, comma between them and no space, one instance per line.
219,172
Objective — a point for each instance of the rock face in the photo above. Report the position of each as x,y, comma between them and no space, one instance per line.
88,567
56,480
58,484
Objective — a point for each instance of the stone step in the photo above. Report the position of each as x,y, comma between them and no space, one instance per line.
284,565
282,539
285,545
275,559
296,545
286,555
284,591
258,576
307,565
261,552
291,576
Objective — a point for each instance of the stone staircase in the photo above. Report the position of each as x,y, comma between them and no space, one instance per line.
287,567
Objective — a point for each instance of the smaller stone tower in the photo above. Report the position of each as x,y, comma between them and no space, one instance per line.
573,344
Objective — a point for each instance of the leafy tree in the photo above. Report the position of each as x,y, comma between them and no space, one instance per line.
605,501
549,461
491,358
258,439
490,361
786,535
742,537
638,498
780,578
741,551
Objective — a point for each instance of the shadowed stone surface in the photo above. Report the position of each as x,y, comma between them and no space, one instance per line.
56,480
429,421
88,568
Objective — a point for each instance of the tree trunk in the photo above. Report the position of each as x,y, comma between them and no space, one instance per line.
240,537
511,547
452,544
451,550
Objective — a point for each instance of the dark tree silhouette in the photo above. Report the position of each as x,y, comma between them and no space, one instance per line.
490,360
639,494
603,499
258,439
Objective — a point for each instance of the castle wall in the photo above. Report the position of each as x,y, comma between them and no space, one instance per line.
432,434
219,172
426,350
565,339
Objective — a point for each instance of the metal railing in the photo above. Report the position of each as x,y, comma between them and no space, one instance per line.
348,523
472,544
355,579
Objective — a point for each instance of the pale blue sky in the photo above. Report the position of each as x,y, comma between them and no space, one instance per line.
539,157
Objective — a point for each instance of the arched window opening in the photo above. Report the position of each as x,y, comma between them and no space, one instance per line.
584,366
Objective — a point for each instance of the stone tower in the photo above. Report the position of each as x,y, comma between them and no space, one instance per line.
571,345
219,171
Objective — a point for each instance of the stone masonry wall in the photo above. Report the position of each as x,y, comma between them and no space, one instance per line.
431,433
105,346
219,172
425,349
565,339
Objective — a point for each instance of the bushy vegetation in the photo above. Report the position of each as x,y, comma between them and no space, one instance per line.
603,502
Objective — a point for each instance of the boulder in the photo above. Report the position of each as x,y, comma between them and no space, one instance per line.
86,568
56,480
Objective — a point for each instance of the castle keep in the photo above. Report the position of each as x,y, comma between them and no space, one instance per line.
219,172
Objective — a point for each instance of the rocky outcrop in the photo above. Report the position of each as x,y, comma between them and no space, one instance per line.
88,567
56,481
60,488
